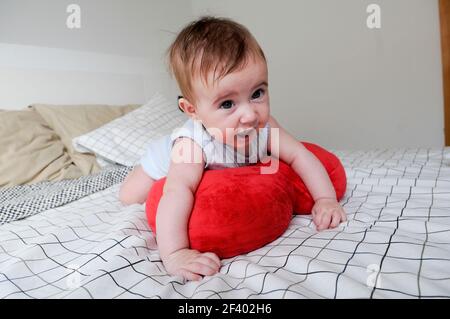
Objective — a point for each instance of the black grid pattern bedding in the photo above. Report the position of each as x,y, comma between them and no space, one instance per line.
396,244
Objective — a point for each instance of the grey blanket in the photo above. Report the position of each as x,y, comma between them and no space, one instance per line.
19,202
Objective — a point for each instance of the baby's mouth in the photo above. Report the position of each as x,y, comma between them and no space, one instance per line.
246,133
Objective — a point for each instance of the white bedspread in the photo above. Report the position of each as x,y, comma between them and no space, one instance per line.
396,244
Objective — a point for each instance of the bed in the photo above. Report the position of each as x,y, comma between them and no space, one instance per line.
72,238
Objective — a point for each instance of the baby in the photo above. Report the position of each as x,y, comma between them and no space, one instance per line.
222,73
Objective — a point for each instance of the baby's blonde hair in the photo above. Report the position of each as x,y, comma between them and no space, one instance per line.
210,44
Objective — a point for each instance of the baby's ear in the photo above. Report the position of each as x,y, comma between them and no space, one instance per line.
180,97
187,107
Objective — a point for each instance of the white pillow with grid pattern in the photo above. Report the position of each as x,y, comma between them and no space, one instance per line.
125,139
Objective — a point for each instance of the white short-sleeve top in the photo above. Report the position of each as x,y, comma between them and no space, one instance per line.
217,155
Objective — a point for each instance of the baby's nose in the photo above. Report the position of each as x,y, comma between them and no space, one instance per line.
249,115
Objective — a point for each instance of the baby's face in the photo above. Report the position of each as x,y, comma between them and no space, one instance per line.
237,103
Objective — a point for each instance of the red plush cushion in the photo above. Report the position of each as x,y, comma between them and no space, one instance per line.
237,210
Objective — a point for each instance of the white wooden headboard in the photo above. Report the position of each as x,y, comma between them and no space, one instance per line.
30,74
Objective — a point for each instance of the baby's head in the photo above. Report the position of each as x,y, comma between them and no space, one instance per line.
222,74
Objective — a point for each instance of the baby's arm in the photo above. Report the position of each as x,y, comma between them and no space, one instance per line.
327,212
173,214
135,187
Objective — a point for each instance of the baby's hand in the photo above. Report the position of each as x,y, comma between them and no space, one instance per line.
328,213
192,264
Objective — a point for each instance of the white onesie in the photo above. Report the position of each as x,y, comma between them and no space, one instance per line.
217,155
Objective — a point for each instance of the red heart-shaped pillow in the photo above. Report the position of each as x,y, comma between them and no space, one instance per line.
238,210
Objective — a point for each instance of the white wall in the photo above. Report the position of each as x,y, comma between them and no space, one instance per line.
116,57
31,74
335,82
332,80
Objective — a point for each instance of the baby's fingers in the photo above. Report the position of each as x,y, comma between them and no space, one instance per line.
343,215
335,219
214,257
316,217
324,221
189,275
211,262
202,269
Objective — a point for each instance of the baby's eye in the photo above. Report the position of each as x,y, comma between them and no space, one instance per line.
258,93
226,105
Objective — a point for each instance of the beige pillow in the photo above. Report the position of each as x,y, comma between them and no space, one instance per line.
70,121
30,151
